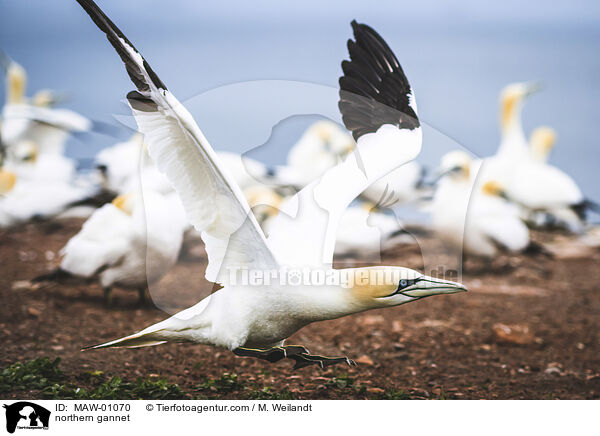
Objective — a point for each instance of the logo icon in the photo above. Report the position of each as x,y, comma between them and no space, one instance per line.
26,415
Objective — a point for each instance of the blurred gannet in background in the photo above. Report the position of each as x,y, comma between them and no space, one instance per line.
28,163
265,203
122,165
541,143
126,167
16,85
363,230
322,146
475,218
131,243
402,185
325,144
545,194
248,172
255,320
117,164
33,119
23,199
513,144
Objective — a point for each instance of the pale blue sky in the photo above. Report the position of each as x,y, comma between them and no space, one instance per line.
457,57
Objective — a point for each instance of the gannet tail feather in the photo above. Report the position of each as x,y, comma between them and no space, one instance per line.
137,340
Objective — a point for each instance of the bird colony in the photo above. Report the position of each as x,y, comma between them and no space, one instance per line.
342,193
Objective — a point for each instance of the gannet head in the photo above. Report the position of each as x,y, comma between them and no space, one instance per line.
456,164
542,142
16,82
264,201
125,203
7,181
384,286
511,99
494,189
335,140
26,151
46,98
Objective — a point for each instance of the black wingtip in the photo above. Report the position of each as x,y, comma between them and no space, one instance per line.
114,36
374,89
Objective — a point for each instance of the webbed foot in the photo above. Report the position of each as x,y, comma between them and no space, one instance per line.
298,353
306,359
272,355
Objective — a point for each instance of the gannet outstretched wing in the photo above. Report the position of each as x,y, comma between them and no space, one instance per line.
378,106
213,202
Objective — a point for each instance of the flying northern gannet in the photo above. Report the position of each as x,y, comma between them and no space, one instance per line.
130,243
33,119
475,218
254,320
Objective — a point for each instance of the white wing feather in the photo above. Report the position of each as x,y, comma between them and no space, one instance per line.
305,230
102,241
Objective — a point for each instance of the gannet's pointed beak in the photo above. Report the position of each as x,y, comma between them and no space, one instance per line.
439,173
427,286
532,88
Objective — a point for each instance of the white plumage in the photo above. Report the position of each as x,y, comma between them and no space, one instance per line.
540,190
131,242
403,185
475,218
242,315
33,119
24,199
321,147
364,232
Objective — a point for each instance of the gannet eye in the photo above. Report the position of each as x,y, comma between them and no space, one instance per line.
405,283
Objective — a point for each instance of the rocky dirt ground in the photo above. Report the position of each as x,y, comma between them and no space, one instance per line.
527,329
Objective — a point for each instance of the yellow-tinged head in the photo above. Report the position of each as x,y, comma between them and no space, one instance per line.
16,82
124,203
493,188
264,201
336,140
381,286
7,181
456,164
26,152
368,205
511,99
44,98
542,142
